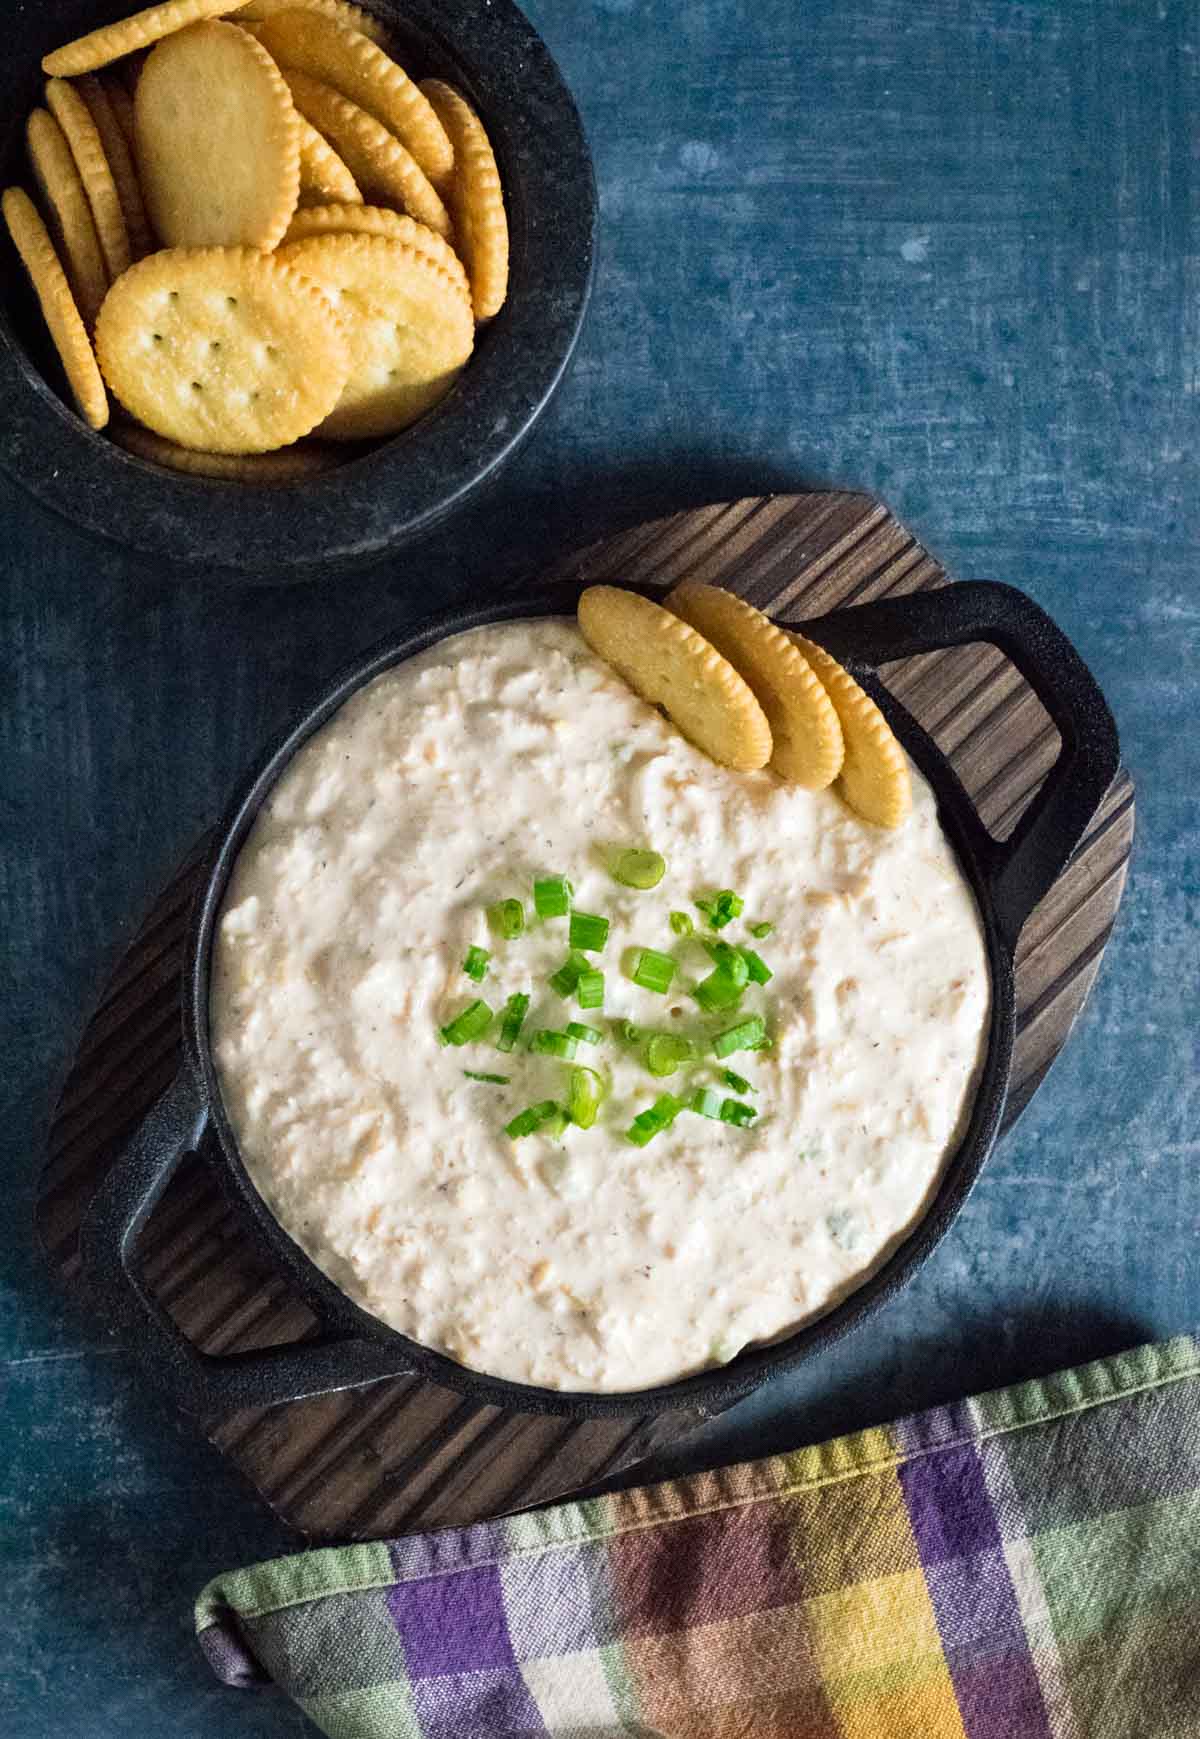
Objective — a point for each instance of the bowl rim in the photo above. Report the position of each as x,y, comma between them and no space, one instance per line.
404,487
709,1389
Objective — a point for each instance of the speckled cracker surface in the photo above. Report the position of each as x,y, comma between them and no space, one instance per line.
32,241
408,326
218,141
111,41
672,666
222,349
324,178
358,69
67,212
379,220
379,163
875,779
804,725
476,199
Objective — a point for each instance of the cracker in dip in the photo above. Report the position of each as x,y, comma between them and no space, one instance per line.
573,1258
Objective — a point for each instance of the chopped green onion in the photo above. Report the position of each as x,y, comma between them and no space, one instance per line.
587,1035
742,1037
552,897
647,1124
566,979
760,931
493,1080
512,1020
588,931
476,964
627,1032
707,1102
760,972
471,1023
733,1111
665,1052
722,909
739,1083
533,1117
639,869
763,1044
681,924
546,1043
589,989
506,919
555,1125
586,1093
652,970
722,988
732,961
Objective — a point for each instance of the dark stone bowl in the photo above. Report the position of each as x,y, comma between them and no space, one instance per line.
386,495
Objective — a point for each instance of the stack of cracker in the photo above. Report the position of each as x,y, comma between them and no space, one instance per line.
251,227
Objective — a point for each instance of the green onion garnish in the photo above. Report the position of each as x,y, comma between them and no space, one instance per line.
681,924
760,931
639,869
476,964
586,1093
588,931
665,1052
733,1111
506,919
722,909
547,1043
471,1023
493,1080
589,989
742,1037
552,897
722,988
627,1032
739,1083
647,1124
587,1035
513,1018
760,972
652,970
533,1117
707,1102
566,979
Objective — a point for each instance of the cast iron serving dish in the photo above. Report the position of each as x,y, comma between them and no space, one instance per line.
404,486
354,1348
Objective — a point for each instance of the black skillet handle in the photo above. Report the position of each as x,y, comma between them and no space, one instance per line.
1022,868
210,1387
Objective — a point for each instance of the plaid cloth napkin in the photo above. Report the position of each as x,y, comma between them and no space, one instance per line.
1022,1565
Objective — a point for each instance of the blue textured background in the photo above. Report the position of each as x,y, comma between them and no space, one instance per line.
940,249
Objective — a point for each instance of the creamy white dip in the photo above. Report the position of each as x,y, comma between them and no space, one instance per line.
585,1263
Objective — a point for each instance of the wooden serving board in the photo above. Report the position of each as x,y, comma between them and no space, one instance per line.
403,1453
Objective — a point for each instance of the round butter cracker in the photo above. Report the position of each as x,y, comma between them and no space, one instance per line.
875,779
379,163
378,220
113,138
476,199
673,667
288,465
324,178
804,725
100,47
67,212
349,63
354,17
225,350
32,241
407,322
218,141
87,148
